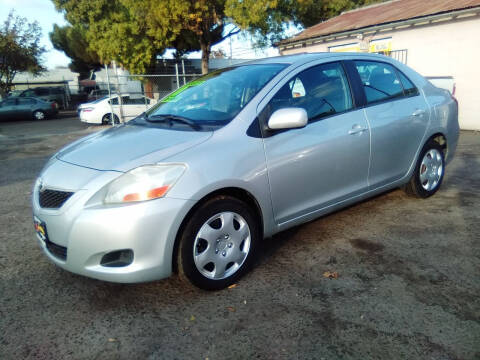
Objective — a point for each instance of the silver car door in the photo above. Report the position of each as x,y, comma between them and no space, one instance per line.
398,120
326,161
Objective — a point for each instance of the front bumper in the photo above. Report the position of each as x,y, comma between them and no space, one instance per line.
89,232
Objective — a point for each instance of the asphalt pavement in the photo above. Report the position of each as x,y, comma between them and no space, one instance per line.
405,280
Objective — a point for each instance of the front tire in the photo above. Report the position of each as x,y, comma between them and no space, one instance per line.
429,171
218,244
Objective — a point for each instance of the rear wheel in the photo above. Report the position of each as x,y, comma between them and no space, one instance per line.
429,171
38,115
107,119
218,244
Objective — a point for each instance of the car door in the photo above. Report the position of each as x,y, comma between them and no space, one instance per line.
117,110
7,110
398,119
133,106
326,161
24,108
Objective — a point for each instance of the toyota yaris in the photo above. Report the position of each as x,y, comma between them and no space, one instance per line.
194,184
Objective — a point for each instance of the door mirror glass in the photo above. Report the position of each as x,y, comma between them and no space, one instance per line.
288,118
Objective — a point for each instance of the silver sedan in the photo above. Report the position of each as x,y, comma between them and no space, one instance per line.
194,184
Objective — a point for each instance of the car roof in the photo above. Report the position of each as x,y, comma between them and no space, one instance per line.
307,57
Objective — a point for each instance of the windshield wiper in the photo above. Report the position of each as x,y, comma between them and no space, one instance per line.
170,118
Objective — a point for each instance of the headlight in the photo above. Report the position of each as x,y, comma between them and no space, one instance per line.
143,183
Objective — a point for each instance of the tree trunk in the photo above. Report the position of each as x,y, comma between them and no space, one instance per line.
206,49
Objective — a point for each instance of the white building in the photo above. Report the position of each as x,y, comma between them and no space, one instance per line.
56,77
436,38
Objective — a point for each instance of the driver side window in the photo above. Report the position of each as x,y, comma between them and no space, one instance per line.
322,90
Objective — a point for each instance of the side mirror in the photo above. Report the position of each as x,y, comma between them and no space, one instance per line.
288,118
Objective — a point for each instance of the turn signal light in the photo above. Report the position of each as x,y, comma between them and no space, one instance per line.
149,195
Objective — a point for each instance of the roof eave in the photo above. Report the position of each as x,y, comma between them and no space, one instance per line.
420,20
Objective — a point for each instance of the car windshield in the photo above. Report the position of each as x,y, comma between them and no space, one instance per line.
214,99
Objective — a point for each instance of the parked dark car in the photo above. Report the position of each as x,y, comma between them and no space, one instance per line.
57,94
26,108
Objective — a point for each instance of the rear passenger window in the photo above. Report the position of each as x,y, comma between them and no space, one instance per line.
321,90
134,101
408,87
379,80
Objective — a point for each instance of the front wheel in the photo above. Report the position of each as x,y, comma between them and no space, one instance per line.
429,171
218,244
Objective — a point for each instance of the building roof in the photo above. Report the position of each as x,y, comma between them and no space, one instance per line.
382,13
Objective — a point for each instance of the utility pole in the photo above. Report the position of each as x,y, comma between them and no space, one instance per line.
109,96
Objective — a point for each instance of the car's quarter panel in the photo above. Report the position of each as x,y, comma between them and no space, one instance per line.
397,129
318,165
444,119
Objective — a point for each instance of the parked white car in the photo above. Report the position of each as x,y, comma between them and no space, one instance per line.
100,110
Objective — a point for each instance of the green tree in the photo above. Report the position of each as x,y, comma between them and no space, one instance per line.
136,32
73,42
20,49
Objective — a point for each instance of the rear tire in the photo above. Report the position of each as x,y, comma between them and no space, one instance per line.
429,171
38,115
218,244
107,119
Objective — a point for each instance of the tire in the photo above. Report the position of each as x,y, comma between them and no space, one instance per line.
429,172
106,120
218,244
39,115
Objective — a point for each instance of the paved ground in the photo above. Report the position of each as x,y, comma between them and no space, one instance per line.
408,285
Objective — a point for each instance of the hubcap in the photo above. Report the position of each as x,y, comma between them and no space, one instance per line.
221,245
431,169
39,115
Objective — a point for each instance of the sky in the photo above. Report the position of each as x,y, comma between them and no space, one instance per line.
44,12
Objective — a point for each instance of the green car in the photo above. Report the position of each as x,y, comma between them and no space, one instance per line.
26,108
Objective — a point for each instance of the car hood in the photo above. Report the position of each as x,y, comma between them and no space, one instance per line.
125,147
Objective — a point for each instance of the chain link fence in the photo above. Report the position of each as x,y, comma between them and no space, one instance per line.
130,95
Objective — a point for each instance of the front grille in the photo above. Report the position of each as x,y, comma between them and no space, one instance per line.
57,250
53,199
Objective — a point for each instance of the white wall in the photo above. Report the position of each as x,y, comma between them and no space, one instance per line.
450,48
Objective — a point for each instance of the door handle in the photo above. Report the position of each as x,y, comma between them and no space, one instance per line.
418,112
356,129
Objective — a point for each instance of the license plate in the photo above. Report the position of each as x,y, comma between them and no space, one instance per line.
40,229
